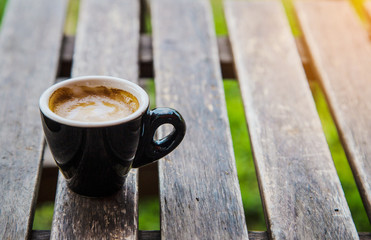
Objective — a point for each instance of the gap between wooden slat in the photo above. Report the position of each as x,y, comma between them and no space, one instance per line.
146,57
156,235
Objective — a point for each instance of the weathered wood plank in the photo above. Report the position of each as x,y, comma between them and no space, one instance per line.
199,189
364,235
149,235
107,43
114,217
226,58
341,50
107,39
305,58
40,235
28,64
68,47
301,192
146,56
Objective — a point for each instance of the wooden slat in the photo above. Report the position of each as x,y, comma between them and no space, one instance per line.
365,236
40,235
341,52
199,189
149,235
301,192
28,64
107,44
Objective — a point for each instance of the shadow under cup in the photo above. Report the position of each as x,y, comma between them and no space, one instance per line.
95,157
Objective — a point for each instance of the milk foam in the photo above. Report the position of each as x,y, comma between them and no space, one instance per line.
93,105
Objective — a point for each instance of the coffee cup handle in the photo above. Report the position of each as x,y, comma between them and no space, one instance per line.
149,149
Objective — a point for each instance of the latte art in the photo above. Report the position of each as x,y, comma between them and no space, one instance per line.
92,104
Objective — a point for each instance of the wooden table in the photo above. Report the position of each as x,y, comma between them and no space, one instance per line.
199,190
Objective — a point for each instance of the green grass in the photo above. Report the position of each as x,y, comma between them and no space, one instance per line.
218,13
149,206
72,17
244,160
149,213
2,8
43,216
341,162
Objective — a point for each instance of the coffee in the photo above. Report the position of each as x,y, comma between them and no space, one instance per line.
95,157
92,104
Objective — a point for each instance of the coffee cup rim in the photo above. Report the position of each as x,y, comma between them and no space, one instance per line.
123,84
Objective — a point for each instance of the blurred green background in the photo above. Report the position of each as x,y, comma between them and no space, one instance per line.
149,218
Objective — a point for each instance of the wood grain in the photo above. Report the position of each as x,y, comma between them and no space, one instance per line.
107,44
199,189
340,48
28,64
301,192
364,236
114,217
40,235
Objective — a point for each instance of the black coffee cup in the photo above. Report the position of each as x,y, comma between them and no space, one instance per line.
95,157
